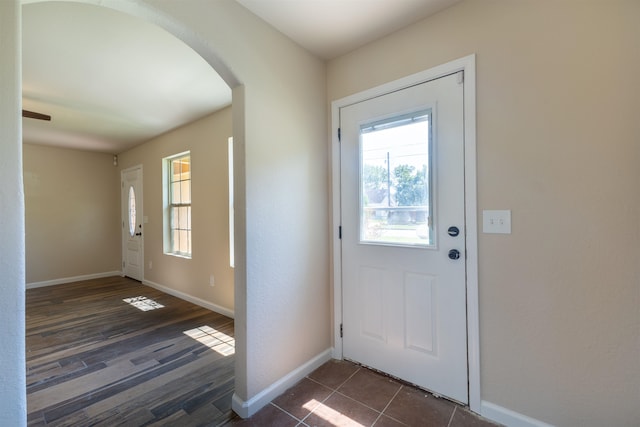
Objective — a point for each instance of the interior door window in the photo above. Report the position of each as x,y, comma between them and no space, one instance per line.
395,181
132,211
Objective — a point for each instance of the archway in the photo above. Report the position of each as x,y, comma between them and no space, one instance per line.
209,54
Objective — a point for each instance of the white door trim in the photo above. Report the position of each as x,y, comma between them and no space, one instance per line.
468,65
123,215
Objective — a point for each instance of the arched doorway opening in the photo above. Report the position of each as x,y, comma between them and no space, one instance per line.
209,54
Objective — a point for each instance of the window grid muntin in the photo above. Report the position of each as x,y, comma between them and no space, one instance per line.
179,169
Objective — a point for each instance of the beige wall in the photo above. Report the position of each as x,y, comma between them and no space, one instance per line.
282,274
206,139
13,396
72,206
558,144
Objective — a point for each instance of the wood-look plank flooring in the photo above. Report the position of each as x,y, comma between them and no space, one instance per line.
95,360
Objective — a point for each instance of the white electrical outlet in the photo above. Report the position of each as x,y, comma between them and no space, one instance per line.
212,280
150,265
497,222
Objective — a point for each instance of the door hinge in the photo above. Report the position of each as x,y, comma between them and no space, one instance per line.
339,135
460,77
340,232
341,331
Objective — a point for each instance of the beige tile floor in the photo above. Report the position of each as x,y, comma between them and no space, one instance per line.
341,393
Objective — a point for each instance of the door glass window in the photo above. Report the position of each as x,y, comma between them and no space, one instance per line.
395,181
132,211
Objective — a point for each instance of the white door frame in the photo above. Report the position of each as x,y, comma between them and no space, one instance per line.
468,65
123,216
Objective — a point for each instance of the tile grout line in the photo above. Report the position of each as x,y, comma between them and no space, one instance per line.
365,405
333,391
455,408
318,405
339,385
336,391
286,412
350,376
387,406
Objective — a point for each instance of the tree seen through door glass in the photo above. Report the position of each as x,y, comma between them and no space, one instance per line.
395,205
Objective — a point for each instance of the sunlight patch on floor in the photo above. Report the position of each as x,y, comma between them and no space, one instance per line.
214,339
330,415
143,303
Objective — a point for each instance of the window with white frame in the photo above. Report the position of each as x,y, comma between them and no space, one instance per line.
177,176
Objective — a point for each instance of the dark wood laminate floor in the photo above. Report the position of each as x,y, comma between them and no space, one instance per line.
112,351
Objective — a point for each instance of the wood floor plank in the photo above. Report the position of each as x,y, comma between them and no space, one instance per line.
95,359
159,388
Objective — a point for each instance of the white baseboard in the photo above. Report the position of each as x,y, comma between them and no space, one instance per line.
247,408
194,300
72,279
508,417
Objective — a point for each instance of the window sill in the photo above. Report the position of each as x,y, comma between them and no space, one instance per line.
178,255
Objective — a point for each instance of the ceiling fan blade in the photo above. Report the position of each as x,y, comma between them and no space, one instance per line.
34,115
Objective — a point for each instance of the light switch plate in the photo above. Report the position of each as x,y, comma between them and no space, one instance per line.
496,222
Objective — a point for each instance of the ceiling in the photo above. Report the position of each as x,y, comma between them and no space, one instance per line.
108,80
330,28
111,81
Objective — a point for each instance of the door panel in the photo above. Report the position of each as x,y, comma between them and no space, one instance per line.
402,187
371,291
420,313
132,239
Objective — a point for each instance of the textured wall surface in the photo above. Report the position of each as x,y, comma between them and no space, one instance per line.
13,407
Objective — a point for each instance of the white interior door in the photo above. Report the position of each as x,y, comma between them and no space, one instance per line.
132,237
403,235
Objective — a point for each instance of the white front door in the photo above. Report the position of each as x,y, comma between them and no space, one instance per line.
132,238
403,235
